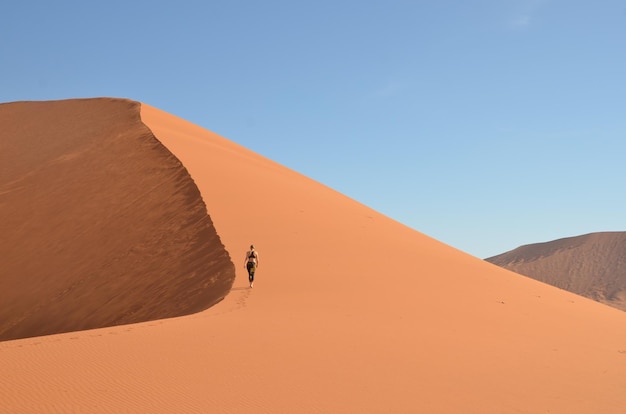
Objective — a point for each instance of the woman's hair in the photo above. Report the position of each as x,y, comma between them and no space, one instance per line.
252,246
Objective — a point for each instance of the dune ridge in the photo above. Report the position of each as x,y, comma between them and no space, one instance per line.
102,225
592,265
351,312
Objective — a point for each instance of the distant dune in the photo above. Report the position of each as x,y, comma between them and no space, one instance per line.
351,312
592,265
101,224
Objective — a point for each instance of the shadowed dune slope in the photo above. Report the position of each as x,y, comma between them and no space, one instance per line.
591,265
101,224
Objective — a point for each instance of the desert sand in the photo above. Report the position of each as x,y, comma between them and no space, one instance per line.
592,265
352,312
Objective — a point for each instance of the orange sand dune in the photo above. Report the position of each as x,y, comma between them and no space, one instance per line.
352,312
592,265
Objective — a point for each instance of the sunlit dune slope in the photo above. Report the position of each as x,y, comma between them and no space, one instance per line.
367,314
592,265
101,225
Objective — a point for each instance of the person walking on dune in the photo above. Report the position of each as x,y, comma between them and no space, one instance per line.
251,263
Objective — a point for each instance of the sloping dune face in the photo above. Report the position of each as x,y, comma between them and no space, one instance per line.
101,224
351,312
592,265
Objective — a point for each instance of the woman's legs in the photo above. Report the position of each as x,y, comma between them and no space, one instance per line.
251,269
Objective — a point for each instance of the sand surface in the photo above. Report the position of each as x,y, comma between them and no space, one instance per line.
351,312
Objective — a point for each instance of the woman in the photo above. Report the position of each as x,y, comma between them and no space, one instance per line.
251,263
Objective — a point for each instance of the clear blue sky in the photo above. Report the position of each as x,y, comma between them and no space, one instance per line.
485,124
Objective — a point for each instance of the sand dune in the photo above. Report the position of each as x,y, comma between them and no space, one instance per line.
592,265
352,312
101,224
